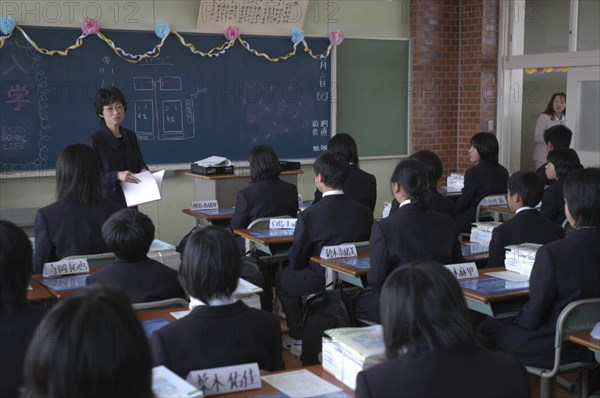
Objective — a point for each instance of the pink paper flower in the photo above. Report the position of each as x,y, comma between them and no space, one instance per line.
336,36
232,32
90,26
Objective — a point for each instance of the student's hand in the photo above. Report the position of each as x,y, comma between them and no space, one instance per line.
127,176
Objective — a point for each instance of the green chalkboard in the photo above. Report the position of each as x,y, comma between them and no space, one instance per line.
372,95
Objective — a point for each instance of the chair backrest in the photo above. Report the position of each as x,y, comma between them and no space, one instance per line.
577,316
361,247
172,302
97,261
262,222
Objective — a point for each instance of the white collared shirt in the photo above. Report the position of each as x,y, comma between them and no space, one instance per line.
404,202
523,208
194,302
333,192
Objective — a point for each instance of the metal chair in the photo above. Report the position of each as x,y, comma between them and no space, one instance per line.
577,316
151,305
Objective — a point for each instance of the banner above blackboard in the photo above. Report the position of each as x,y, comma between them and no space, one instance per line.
183,107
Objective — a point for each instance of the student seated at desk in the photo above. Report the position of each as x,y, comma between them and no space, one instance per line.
434,169
72,225
267,195
564,271
561,162
18,319
90,345
488,177
129,234
359,185
525,190
555,137
431,347
412,233
219,331
333,220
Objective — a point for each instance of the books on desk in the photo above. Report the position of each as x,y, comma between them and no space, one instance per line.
470,249
455,182
362,263
520,258
347,351
166,384
65,283
493,285
481,232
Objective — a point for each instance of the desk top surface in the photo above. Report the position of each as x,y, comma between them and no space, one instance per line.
498,208
151,314
239,173
211,215
343,264
38,293
78,280
585,339
266,240
487,298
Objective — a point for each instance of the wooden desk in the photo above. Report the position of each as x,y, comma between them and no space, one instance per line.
449,194
498,305
585,339
211,217
60,294
266,244
151,314
498,211
465,248
268,389
343,270
38,293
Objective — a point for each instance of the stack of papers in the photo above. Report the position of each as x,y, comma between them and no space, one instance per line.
481,232
347,351
248,293
145,191
455,182
520,258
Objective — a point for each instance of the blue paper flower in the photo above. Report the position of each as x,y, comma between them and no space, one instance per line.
162,30
7,24
297,35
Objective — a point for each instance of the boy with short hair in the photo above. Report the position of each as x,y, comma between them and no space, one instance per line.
129,233
333,220
555,137
525,190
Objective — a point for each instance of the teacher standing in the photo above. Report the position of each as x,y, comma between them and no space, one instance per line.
554,114
117,147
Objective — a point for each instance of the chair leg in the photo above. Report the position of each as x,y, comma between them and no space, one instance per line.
548,387
571,387
582,385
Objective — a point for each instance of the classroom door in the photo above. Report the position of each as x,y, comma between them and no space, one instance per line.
583,93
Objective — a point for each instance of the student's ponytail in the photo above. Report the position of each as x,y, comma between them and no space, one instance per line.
411,176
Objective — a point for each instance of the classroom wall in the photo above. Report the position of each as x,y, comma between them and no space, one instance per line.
357,18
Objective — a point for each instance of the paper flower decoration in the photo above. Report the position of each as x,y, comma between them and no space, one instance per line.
7,24
232,32
162,30
336,36
297,35
90,26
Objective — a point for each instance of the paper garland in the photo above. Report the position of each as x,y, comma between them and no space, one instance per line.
162,30
531,71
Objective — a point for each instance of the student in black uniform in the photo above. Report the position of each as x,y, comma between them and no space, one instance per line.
18,319
431,347
555,137
333,220
359,185
488,177
561,163
220,330
525,190
434,169
564,271
91,345
129,234
412,233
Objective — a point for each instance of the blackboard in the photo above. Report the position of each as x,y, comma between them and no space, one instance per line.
372,90
183,107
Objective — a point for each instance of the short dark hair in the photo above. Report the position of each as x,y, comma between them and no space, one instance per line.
559,136
211,264
264,163
16,266
410,175
90,344
487,146
432,164
333,167
78,174
128,233
564,160
345,145
582,194
550,106
423,308
529,185
106,96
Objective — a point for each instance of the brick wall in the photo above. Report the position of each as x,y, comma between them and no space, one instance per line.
455,45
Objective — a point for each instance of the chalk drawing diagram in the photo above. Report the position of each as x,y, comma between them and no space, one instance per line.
160,111
38,84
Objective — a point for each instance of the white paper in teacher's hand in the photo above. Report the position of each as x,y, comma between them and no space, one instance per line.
147,190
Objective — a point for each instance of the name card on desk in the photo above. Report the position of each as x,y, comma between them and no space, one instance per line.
328,252
282,223
226,379
496,200
66,266
200,205
463,270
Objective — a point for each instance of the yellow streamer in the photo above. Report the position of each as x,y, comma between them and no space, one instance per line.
281,58
193,49
4,38
62,53
131,58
